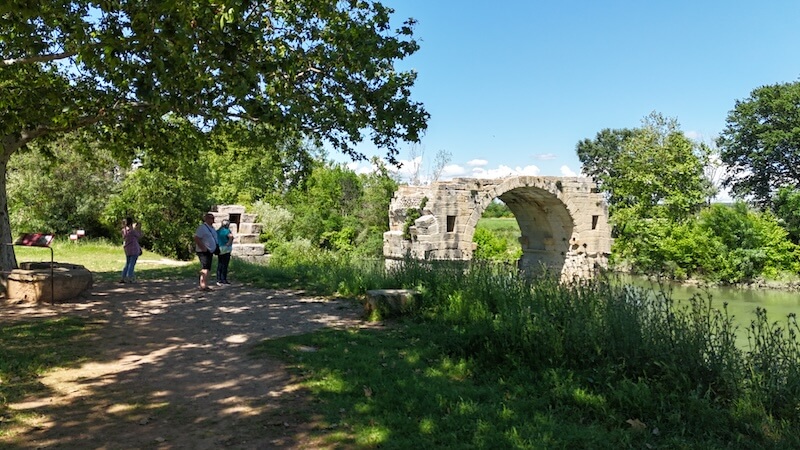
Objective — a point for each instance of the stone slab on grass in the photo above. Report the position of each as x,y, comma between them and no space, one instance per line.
387,303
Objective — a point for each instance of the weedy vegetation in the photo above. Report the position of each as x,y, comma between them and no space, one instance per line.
491,358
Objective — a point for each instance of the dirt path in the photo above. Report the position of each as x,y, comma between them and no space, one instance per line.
172,370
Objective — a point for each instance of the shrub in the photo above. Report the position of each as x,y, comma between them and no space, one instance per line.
489,246
169,209
751,243
723,243
276,223
787,209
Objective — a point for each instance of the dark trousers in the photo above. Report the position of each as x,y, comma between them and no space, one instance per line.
222,266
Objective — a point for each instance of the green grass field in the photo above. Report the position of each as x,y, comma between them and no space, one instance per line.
506,229
504,225
105,260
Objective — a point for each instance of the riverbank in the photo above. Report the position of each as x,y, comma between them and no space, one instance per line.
756,284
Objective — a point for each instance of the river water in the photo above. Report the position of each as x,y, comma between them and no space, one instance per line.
742,302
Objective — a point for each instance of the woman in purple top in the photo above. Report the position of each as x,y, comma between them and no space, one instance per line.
130,243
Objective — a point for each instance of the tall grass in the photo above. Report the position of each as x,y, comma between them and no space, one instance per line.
622,330
298,264
634,346
608,352
539,322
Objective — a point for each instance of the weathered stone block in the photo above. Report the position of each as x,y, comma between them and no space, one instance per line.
387,303
426,225
246,233
247,249
247,238
35,282
230,209
251,228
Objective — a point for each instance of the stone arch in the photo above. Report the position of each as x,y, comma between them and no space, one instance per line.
563,221
546,223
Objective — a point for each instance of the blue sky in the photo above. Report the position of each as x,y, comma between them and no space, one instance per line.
513,85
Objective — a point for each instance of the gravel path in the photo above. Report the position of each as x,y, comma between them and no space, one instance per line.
173,370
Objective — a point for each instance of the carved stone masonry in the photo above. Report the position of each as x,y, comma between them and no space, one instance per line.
246,231
563,222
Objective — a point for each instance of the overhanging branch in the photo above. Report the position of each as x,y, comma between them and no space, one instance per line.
36,59
30,134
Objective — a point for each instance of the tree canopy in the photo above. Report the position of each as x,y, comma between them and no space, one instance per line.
138,73
657,184
761,143
651,171
598,155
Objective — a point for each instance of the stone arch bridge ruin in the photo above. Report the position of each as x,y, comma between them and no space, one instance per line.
563,222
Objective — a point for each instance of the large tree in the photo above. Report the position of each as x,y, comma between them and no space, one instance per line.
246,171
598,155
77,187
761,143
323,69
648,172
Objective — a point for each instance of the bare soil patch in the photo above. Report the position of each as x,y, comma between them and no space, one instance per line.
173,370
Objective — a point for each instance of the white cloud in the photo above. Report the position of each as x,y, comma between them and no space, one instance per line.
364,170
504,171
545,156
567,172
477,162
358,167
528,170
452,171
694,135
408,167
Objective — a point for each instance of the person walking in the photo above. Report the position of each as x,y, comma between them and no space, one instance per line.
205,241
130,244
225,239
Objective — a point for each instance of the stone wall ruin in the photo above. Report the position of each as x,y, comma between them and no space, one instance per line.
246,231
563,222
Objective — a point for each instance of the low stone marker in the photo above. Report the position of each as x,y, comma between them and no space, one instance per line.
32,282
386,303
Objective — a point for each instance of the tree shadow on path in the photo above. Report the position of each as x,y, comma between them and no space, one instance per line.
172,370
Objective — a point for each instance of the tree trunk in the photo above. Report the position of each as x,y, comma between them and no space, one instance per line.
8,259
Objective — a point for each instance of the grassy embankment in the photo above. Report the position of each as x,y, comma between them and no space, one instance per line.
488,360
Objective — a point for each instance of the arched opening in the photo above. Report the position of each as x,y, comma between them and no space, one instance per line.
497,235
562,222
545,227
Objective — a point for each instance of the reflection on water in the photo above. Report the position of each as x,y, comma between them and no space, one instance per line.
742,303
